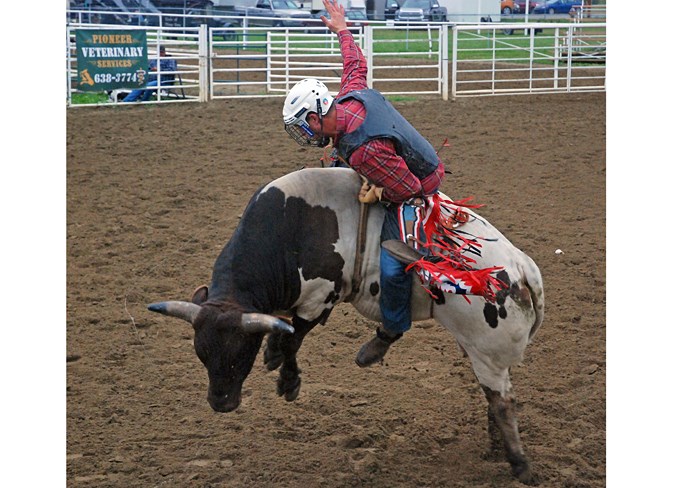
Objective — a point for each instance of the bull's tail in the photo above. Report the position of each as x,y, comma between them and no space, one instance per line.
534,283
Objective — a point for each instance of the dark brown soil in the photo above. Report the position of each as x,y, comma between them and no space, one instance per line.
154,192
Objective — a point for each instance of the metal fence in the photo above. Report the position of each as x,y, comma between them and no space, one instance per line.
422,68
422,59
263,62
528,58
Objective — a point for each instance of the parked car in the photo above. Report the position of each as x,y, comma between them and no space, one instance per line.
557,6
522,5
421,11
268,13
355,19
101,14
195,19
509,7
392,6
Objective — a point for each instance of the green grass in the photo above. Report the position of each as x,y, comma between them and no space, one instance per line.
414,43
401,98
89,98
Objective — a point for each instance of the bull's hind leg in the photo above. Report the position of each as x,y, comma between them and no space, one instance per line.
494,378
502,418
281,350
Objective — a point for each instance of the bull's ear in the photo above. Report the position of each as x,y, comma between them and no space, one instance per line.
200,295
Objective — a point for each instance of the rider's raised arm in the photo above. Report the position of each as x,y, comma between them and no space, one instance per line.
354,65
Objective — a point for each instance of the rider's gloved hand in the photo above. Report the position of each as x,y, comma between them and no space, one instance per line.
370,193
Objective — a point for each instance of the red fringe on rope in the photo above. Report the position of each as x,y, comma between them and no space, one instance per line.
452,269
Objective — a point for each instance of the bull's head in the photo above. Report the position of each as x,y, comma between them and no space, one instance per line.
226,341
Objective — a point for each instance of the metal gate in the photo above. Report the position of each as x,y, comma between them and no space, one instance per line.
409,59
509,59
263,62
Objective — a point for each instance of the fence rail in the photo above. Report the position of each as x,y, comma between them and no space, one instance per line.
422,59
264,62
528,58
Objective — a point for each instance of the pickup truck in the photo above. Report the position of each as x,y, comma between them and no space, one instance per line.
392,6
275,13
421,11
355,19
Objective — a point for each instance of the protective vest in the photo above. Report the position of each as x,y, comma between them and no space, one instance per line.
384,121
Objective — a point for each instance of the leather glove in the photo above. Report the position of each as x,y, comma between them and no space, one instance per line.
370,193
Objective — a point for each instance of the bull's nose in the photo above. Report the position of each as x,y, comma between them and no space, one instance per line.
221,407
223,404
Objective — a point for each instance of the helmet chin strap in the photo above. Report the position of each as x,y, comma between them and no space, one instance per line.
324,140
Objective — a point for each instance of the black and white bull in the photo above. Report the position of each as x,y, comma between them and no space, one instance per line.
293,253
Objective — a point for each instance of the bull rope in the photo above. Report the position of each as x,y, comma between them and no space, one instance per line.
359,251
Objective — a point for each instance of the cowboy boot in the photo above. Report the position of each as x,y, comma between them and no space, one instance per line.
373,351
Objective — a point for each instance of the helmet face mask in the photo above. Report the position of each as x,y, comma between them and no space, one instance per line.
307,96
304,135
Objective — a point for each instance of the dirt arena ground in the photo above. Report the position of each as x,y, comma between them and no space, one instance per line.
154,192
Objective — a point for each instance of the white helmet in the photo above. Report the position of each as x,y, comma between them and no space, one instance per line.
308,95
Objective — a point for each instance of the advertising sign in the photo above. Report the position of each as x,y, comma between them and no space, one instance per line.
111,59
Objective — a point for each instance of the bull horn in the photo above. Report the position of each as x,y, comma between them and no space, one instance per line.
181,310
260,322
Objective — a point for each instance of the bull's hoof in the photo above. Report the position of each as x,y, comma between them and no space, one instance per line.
523,474
289,387
292,395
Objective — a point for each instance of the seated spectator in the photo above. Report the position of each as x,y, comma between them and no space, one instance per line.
167,66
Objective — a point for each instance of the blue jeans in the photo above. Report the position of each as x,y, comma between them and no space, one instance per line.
395,300
143,94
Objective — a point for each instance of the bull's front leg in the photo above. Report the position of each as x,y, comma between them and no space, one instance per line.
281,350
272,355
503,424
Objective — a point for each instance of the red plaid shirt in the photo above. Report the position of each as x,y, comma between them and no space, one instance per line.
376,160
